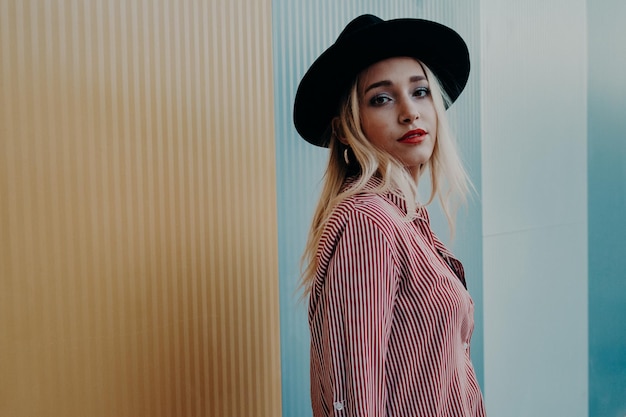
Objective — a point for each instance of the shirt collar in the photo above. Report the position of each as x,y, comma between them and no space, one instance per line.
394,196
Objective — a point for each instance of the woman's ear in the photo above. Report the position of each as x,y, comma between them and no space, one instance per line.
338,130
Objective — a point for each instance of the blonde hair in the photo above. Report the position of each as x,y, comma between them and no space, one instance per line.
449,180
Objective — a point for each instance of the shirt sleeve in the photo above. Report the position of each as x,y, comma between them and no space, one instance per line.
360,289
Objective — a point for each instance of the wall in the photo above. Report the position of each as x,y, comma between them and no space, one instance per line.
144,203
302,30
534,163
138,264
606,206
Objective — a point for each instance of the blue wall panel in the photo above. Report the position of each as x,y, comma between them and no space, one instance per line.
301,31
607,208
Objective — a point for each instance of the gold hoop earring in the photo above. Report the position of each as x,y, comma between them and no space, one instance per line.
345,156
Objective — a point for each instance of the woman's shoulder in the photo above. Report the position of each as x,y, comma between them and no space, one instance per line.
362,202
364,208
366,215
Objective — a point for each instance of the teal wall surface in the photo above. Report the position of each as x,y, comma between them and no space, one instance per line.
301,31
607,207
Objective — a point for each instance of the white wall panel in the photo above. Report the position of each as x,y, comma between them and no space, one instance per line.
536,322
533,111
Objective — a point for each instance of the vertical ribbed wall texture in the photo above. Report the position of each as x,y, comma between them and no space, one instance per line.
138,243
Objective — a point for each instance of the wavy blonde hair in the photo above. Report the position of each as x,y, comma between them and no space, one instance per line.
449,180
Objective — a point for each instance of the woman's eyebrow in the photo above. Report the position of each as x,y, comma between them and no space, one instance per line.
417,78
383,83
386,83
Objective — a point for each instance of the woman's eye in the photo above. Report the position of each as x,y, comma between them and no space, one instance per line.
421,92
379,100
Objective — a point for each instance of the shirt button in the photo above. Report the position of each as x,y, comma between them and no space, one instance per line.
465,345
338,405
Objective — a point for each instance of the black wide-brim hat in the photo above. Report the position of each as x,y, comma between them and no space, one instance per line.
366,40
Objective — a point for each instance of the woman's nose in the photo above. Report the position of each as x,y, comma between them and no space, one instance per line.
409,113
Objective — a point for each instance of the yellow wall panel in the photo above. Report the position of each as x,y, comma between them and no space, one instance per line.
138,253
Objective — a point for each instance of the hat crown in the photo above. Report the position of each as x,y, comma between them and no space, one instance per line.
359,23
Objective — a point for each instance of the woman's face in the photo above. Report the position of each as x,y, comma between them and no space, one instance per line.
397,110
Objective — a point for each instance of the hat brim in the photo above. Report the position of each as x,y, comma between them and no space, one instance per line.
330,76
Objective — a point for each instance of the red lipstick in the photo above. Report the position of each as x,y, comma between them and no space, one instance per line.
414,136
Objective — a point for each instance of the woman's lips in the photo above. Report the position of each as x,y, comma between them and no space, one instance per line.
414,136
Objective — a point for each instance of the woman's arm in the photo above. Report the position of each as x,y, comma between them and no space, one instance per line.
360,289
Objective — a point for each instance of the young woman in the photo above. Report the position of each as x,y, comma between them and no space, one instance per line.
390,316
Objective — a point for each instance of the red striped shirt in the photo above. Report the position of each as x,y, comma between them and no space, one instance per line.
390,317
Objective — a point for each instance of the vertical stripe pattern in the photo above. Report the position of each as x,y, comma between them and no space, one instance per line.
391,320
138,264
